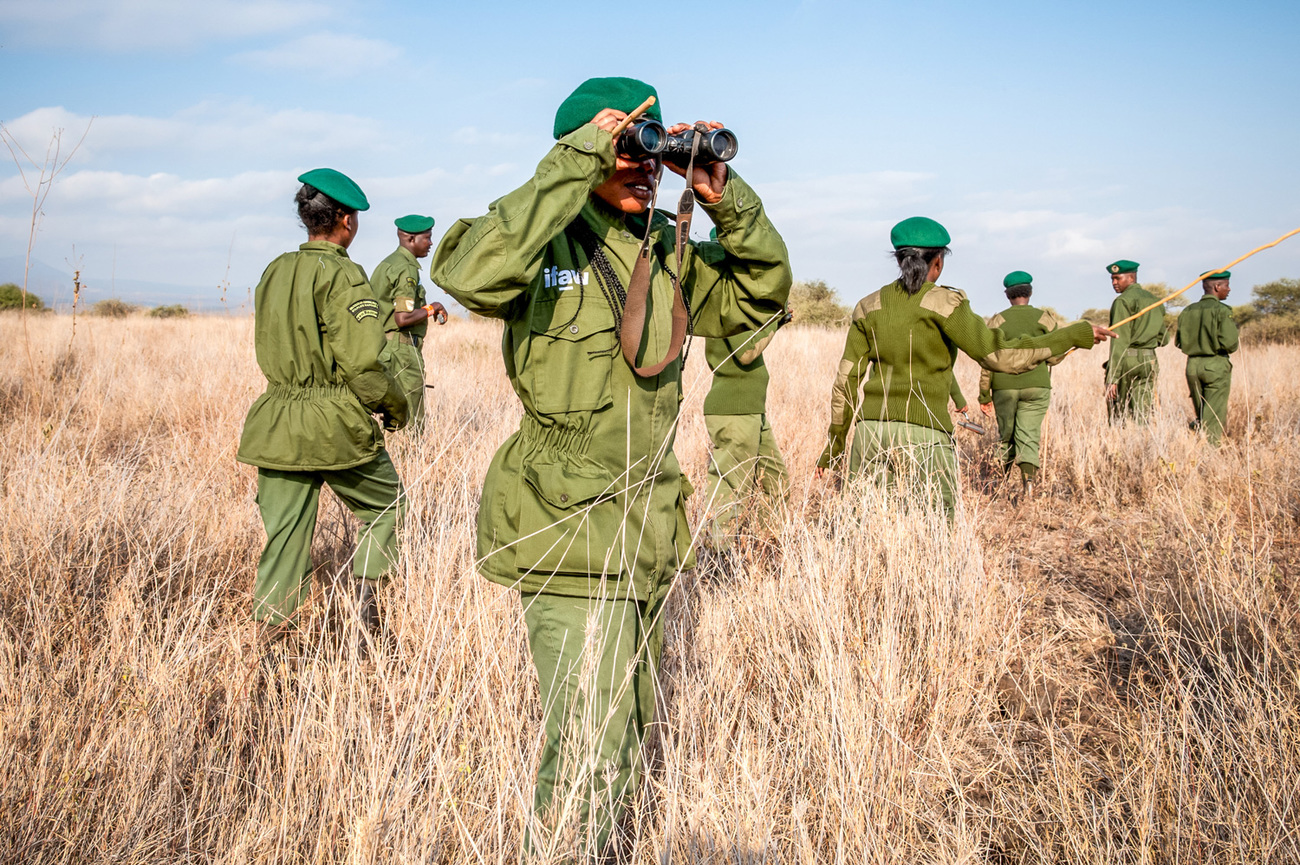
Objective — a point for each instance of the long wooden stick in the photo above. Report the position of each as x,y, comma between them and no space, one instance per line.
1228,266
641,109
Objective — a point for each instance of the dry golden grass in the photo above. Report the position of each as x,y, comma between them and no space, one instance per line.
1108,675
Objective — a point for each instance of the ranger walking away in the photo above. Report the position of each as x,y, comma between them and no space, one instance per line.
1207,334
1132,369
745,456
396,284
319,335
1020,400
895,377
582,509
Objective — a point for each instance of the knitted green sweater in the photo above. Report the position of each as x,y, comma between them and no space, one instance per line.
1016,321
904,347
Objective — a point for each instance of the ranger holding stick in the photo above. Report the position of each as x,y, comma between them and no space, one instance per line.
583,509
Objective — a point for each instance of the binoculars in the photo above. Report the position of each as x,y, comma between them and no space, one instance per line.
647,138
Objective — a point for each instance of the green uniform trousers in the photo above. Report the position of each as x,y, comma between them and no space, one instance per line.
745,456
288,502
1209,379
918,461
1136,399
406,364
597,663
1020,413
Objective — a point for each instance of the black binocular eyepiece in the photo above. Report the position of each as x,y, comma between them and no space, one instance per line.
647,138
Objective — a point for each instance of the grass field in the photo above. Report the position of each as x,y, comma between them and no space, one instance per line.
1108,674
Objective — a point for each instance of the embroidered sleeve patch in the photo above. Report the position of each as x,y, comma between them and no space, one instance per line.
412,282
364,309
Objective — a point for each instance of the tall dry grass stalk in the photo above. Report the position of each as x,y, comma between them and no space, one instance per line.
1106,675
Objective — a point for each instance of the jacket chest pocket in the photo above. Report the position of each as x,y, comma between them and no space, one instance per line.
572,345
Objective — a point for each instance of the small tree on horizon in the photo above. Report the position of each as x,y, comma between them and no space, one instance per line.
11,297
816,303
1279,297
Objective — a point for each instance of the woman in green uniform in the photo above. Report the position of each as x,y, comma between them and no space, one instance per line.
583,508
318,336
895,377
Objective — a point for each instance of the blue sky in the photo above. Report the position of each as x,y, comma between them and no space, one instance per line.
1049,137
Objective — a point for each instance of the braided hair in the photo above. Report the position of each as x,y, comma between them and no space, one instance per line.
914,264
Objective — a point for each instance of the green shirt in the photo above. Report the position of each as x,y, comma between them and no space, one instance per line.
1146,332
1016,321
739,373
318,334
586,499
396,283
908,343
1206,328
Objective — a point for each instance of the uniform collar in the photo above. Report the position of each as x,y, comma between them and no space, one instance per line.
323,246
607,221
408,255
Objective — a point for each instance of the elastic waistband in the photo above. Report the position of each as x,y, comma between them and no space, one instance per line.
1139,352
290,391
554,438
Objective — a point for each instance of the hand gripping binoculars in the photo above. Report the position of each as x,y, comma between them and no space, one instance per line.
647,138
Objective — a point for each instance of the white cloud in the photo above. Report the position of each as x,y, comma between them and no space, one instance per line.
328,55
130,25
230,130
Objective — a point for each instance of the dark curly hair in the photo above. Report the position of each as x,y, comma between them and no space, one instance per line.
914,264
1022,290
317,212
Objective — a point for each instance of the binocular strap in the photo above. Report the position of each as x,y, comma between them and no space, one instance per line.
632,327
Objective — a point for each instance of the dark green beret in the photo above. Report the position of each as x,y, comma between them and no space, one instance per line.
414,224
919,231
1017,277
337,186
1122,266
596,94
1222,274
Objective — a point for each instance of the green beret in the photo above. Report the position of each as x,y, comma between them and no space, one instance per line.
713,233
337,186
919,231
596,94
1017,277
414,224
1222,274
1122,266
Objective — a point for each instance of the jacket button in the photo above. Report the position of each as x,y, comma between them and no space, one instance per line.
627,235
587,145
564,497
573,328
740,202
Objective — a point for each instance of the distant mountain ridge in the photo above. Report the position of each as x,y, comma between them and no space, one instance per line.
54,286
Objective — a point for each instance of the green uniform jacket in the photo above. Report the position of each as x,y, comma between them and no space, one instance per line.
739,373
1145,333
908,345
318,334
589,485
1017,321
1206,328
396,283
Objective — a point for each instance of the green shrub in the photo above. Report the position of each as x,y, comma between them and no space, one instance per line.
1096,316
173,311
11,297
112,308
817,303
1272,328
